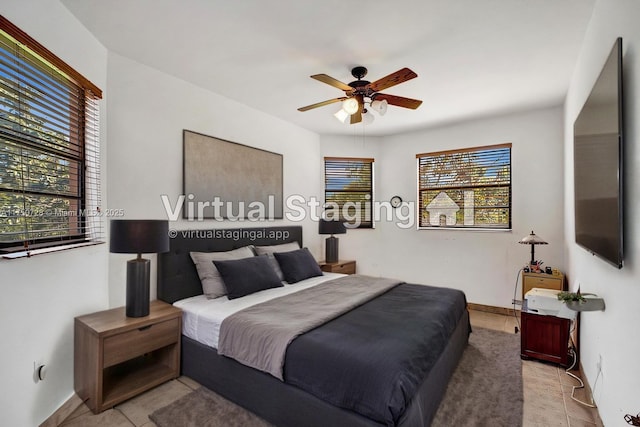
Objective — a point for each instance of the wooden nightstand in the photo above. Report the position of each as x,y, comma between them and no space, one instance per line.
544,337
118,357
344,267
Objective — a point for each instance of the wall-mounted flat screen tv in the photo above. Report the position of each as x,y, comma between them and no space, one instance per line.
598,160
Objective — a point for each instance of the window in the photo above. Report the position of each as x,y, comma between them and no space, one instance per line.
49,153
348,190
469,188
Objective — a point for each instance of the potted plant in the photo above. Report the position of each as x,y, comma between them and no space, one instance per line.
581,301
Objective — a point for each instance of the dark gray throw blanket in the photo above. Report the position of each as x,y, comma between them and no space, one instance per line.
258,336
372,360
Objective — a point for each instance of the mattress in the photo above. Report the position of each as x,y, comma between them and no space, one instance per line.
202,317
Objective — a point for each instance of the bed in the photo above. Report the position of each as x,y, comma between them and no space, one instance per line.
359,342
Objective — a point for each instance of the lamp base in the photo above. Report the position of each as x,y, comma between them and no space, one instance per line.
138,274
331,250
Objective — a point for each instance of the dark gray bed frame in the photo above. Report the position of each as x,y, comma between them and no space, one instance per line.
266,396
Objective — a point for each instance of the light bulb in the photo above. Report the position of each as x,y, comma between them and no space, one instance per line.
350,105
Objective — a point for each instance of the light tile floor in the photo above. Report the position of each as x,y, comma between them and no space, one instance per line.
546,387
547,394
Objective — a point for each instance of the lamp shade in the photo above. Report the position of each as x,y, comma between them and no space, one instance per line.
350,105
532,239
342,116
380,106
139,236
331,227
367,117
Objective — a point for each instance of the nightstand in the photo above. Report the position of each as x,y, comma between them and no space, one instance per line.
341,266
118,357
544,337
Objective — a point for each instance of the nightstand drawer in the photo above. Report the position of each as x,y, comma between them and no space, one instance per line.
128,345
344,267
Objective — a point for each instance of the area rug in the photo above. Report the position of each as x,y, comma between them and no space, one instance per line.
204,408
485,390
486,387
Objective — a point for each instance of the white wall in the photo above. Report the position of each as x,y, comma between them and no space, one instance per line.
482,264
148,111
610,335
42,294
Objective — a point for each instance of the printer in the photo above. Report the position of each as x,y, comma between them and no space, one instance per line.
545,302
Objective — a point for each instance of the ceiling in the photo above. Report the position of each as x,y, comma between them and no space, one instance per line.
473,58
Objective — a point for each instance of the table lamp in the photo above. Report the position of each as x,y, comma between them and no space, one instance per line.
331,227
532,240
138,236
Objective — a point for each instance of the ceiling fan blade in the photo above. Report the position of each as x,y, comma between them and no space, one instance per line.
322,104
332,82
393,79
399,101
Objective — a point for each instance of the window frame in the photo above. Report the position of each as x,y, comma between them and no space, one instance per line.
366,218
41,87
489,156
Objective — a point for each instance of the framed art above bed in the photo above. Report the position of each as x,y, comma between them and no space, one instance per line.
246,180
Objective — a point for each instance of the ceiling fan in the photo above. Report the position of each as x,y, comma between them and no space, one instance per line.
360,92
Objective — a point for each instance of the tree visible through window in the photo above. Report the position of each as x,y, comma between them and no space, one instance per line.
349,190
49,155
469,188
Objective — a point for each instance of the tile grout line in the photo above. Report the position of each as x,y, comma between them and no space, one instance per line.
125,416
564,399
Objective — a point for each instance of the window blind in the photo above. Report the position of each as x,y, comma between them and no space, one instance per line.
49,148
467,188
349,189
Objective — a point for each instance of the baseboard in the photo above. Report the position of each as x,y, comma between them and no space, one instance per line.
63,412
491,309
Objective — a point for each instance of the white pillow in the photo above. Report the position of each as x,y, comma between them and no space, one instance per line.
269,250
212,284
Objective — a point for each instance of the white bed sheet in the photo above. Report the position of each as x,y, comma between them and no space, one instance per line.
202,317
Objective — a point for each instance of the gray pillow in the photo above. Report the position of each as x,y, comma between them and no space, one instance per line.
212,284
246,276
268,251
298,265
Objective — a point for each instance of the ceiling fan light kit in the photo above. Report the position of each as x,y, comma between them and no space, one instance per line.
361,93
380,106
367,117
350,106
342,115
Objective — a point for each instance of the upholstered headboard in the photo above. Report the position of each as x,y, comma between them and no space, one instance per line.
177,275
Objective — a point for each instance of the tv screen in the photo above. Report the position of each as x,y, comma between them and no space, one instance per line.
598,163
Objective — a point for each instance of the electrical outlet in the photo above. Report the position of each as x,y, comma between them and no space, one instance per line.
39,372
